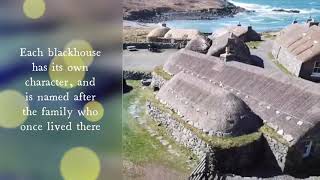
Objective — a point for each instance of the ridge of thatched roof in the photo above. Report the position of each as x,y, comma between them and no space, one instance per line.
289,105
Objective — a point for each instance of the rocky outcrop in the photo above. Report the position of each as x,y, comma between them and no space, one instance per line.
286,11
160,14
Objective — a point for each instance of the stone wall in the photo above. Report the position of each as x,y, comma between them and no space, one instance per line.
136,75
233,159
283,177
145,45
157,81
177,130
278,150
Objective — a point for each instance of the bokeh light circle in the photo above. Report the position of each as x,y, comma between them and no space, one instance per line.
80,163
12,104
81,45
94,106
72,77
34,9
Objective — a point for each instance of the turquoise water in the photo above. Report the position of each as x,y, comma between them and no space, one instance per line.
263,19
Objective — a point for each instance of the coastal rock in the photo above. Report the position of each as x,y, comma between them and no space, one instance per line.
286,11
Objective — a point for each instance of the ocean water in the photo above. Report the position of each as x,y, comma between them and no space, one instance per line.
263,19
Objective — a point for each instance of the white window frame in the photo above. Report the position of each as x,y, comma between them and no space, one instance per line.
316,69
307,150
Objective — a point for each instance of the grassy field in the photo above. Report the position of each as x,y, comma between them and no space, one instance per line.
134,34
253,44
142,150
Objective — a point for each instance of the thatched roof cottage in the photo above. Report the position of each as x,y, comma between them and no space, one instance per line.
165,34
230,48
157,33
288,105
199,44
297,48
211,109
245,33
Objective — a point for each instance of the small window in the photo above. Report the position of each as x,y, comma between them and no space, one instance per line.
316,68
307,149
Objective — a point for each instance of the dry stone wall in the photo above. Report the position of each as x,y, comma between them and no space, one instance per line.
237,157
157,81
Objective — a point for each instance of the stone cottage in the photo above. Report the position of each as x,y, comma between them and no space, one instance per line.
157,34
230,48
245,33
297,48
167,35
232,98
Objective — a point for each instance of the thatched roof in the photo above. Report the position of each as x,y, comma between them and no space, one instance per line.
208,108
289,105
199,44
158,32
186,58
187,34
237,47
300,41
245,33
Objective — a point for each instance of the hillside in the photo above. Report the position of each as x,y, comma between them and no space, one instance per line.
158,10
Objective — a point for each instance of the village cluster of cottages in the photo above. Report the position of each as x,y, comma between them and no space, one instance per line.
219,93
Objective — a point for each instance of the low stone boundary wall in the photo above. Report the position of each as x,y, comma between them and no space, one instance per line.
145,45
136,75
278,150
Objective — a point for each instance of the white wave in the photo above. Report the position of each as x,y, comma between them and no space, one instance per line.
267,9
309,11
251,6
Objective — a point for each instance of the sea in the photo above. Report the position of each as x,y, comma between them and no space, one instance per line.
262,19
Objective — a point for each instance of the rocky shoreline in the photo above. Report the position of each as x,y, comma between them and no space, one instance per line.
161,14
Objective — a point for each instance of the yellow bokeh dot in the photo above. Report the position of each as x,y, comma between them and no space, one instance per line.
81,45
73,71
34,9
94,111
80,163
12,104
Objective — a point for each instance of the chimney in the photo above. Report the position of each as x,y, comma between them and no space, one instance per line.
295,21
310,19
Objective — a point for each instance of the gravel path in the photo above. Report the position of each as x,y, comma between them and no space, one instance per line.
145,60
263,51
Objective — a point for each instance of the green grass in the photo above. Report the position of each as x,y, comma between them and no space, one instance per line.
138,146
273,134
159,71
280,66
253,44
269,36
